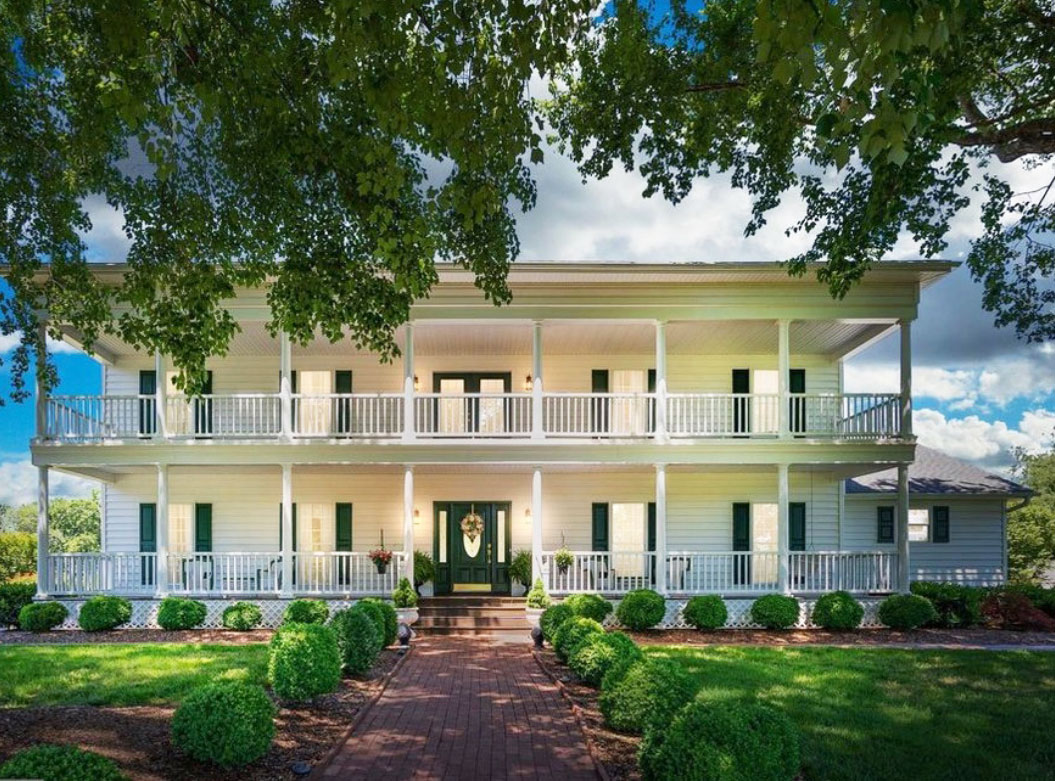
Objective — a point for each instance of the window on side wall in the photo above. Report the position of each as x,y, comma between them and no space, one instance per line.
919,525
180,526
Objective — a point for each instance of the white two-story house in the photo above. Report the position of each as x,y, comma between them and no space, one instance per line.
682,427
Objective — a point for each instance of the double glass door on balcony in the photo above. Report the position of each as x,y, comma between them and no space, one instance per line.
471,402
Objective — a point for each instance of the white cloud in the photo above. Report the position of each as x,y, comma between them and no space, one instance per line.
9,342
18,483
983,442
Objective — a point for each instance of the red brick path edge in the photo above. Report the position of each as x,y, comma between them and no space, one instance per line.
466,708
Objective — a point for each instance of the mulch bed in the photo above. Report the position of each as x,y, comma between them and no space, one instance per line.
860,637
66,636
137,738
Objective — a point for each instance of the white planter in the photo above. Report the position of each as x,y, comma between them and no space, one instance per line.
533,615
407,615
518,589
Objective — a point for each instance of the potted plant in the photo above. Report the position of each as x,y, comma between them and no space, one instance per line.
520,572
406,602
537,601
381,558
424,570
563,558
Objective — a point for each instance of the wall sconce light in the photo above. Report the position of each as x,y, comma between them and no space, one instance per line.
527,514
417,384
529,383
417,515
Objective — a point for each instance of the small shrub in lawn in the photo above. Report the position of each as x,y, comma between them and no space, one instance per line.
242,616
838,610
955,605
1012,610
388,613
640,609
551,619
306,611
15,595
60,763
374,611
573,633
358,639
404,595
228,723
41,616
647,696
906,611
589,606
101,613
706,612
723,740
537,598
775,611
179,613
599,654
304,661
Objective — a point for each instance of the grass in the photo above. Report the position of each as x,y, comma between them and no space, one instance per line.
121,674
897,714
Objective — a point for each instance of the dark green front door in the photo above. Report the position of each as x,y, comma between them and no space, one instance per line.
473,563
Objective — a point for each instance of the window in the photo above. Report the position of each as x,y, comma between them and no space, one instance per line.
765,414
630,415
919,525
628,538
764,539
314,522
180,527
314,414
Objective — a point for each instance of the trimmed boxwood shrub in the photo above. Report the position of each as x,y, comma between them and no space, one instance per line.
229,723
589,606
706,612
640,609
955,606
371,609
573,633
723,740
838,610
42,616
306,611
537,598
15,595
60,763
600,653
358,639
388,613
101,613
179,613
404,595
647,696
775,611
304,661
242,616
906,611
551,619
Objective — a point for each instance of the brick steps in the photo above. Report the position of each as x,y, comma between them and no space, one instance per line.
471,615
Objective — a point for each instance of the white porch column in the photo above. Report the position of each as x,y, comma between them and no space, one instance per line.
661,380
783,370
408,383
287,530
902,529
285,385
43,532
408,520
782,528
160,396
536,525
42,396
162,511
661,528
906,378
536,380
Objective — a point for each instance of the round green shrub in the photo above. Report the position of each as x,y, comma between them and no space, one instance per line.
15,595
906,611
404,595
537,598
551,618
775,611
641,609
102,613
230,723
600,653
706,612
388,613
41,616
178,613
723,740
376,615
242,616
647,696
573,633
358,639
304,661
306,611
838,610
60,763
589,606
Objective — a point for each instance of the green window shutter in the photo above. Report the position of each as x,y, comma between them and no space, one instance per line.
651,526
148,528
651,380
940,524
344,527
202,528
148,386
342,381
294,526
741,380
599,527
797,407
741,526
741,406
797,526
599,381
885,525
796,380
148,382
652,405
599,411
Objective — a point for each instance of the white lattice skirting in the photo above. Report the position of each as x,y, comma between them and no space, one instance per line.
740,614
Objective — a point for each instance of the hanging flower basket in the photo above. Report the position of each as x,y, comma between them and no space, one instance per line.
563,558
381,557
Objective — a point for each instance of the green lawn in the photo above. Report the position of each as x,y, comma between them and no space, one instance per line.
897,714
120,674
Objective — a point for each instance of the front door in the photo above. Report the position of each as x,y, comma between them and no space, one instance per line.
472,547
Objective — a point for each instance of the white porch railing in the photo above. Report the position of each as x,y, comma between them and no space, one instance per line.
722,414
99,417
599,414
229,416
870,416
607,572
338,572
472,415
101,573
866,571
731,572
224,573
348,415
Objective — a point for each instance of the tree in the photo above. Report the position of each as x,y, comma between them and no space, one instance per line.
875,111
330,151
1031,530
74,524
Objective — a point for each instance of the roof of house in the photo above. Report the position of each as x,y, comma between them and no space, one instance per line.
935,473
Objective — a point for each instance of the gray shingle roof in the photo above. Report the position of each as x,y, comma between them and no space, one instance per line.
934,472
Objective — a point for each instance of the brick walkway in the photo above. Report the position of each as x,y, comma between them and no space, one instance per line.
466,708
